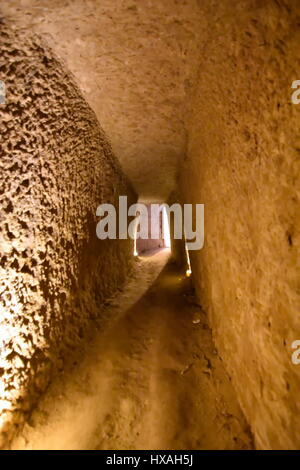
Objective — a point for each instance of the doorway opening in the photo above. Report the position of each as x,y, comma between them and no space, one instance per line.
155,234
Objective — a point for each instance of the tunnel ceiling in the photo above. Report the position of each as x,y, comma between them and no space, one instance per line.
133,61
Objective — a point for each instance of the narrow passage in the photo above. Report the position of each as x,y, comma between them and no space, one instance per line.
148,378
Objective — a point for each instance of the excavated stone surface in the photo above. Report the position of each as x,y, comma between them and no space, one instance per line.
56,168
243,164
132,60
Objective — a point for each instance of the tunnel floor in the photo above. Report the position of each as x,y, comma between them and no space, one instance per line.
149,378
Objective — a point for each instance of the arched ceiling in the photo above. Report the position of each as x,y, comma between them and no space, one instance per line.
133,61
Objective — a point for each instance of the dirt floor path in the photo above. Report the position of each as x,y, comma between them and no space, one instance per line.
150,379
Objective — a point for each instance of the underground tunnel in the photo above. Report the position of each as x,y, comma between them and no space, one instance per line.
114,340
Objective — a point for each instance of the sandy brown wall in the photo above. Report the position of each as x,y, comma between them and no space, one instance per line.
56,168
178,253
243,163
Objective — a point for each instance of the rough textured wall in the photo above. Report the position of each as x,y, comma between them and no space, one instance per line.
178,250
132,60
243,164
56,168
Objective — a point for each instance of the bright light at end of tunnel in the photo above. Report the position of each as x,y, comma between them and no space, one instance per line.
166,229
189,270
135,252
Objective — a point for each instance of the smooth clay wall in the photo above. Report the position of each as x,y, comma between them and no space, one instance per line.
242,162
56,168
